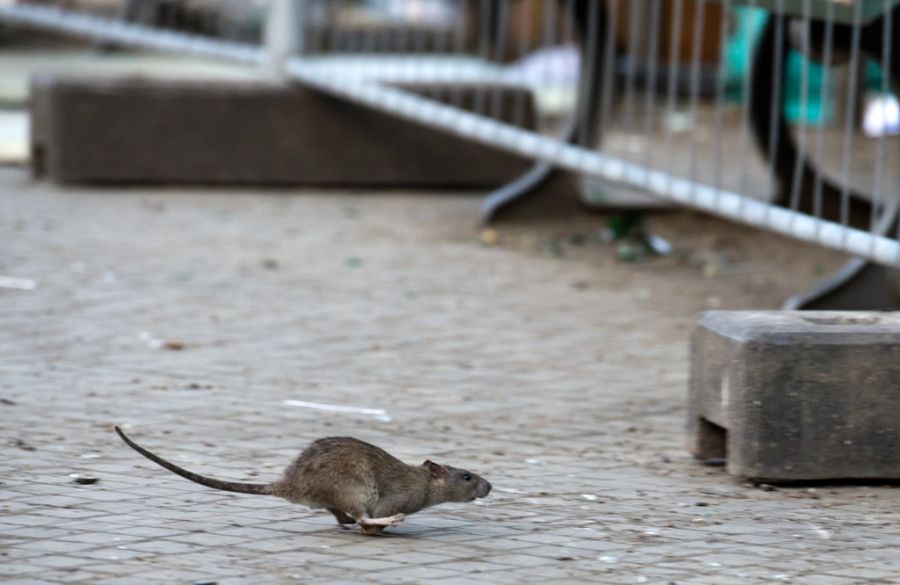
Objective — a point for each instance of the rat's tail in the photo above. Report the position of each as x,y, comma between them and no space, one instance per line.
228,486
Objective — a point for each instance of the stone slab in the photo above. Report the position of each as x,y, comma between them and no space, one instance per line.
797,395
142,130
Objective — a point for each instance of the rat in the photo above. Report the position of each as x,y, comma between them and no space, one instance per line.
357,482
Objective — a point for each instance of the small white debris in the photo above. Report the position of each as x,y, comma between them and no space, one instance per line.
152,342
882,115
13,283
679,122
659,245
379,413
608,559
589,497
822,532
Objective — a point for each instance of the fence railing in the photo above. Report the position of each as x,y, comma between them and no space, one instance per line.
761,117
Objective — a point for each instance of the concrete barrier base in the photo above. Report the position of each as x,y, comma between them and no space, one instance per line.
797,395
140,130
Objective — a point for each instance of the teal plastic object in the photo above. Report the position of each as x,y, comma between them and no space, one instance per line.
844,11
818,112
748,25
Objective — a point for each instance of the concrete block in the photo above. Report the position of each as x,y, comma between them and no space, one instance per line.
139,130
797,395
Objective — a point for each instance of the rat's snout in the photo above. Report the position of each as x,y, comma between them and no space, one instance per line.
484,488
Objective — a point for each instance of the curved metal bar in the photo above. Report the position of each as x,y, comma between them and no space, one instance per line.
539,174
583,124
859,284
764,107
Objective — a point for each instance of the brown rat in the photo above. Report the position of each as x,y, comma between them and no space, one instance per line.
357,482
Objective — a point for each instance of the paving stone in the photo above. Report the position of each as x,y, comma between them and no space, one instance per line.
53,546
59,561
793,396
79,575
116,553
824,580
119,580
870,574
39,532
15,569
28,520
415,573
521,560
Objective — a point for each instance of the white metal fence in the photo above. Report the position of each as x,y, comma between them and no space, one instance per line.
773,113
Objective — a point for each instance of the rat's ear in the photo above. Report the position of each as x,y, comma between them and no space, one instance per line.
437,471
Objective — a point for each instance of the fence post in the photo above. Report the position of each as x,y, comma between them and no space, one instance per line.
283,36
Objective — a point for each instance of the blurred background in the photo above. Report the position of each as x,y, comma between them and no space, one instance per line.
780,115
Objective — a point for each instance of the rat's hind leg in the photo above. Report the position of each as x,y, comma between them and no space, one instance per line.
386,521
373,526
341,517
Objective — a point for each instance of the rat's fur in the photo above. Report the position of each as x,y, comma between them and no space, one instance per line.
355,481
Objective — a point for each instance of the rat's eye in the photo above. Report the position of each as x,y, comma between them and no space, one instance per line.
467,476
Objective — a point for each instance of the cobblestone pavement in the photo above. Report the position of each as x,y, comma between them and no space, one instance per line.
561,380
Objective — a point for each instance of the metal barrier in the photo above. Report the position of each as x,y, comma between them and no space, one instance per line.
645,93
